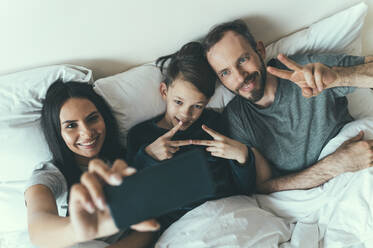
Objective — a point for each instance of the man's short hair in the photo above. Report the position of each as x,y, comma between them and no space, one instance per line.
216,34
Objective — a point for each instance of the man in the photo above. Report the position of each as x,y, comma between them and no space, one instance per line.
290,115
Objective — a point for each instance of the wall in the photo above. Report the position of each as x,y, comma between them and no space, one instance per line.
112,36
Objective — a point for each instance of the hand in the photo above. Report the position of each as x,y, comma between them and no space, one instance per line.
311,78
355,154
223,146
163,147
90,217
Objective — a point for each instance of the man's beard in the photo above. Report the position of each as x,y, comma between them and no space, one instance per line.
256,94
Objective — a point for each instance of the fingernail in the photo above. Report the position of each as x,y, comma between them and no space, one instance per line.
100,204
115,179
90,208
157,226
131,170
180,122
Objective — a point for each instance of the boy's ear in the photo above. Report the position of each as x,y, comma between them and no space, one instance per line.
163,90
261,49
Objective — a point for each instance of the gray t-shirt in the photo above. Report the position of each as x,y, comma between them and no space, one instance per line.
292,131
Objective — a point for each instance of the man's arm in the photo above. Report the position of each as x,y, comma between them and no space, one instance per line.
357,76
353,155
315,77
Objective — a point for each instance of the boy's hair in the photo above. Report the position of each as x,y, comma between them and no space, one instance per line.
58,93
189,64
216,34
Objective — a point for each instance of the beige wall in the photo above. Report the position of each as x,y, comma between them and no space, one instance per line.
111,36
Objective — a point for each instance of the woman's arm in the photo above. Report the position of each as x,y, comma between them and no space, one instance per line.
89,218
46,228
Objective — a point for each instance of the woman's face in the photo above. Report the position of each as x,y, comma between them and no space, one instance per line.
82,127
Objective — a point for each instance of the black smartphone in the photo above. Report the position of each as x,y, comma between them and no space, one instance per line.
183,180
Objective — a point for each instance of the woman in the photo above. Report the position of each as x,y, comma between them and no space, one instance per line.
79,128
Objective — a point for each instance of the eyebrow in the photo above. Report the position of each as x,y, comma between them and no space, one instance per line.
180,98
241,56
88,116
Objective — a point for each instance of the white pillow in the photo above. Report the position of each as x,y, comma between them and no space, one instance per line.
339,33
347,132
22,144
134,94
235,221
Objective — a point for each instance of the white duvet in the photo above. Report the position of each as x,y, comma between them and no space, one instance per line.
336,214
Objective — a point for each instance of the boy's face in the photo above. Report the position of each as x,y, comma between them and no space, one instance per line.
184,102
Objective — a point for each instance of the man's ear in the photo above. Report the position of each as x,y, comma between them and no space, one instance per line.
260,48
163,90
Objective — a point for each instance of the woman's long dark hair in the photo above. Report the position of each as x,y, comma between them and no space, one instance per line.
190,64
57,94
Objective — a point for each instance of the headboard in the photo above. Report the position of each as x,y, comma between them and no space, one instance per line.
112,36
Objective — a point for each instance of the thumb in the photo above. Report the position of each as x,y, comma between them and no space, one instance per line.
358,137
307,92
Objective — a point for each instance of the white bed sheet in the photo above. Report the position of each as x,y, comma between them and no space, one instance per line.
336,214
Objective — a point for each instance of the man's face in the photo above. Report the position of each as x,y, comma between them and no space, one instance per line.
239,67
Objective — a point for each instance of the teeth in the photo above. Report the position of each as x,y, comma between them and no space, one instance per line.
89,143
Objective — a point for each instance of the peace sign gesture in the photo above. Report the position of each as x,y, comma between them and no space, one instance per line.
163,147
311,78
223,146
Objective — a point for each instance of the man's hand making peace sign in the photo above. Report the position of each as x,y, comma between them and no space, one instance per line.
311,78
163,147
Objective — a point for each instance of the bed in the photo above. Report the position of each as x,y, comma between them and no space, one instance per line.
99,43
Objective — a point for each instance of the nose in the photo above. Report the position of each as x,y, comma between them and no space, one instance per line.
185,111
239,75
85,131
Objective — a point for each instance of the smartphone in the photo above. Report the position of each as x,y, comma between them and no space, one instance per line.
154,191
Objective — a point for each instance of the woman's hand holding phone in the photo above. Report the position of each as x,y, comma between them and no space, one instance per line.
90,217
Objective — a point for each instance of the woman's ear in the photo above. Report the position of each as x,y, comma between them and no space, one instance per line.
163,90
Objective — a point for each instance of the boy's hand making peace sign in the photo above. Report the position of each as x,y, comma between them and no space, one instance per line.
223,147
163,147
311,78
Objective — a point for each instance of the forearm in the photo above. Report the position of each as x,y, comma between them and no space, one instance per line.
135,240
356,76
50,230
318,174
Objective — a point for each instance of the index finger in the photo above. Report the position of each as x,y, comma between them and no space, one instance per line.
173,130
291,64
284,74
204,142
100,168
212,132
177,143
